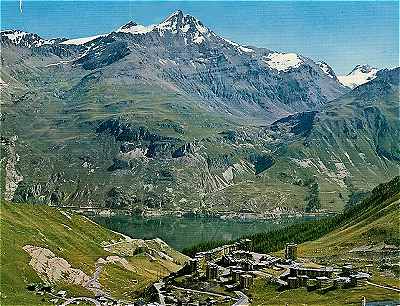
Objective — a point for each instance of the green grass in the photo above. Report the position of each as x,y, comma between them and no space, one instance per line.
265,294
377,223
76,239
43,226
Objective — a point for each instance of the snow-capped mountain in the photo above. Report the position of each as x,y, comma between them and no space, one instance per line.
174,114
186,26
187,55
24,39
359,75
327,69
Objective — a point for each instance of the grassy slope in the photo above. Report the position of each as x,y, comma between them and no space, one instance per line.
81,246
263,294
375,225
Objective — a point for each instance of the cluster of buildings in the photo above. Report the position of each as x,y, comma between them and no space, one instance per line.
296,276
235,267
230,265
231,269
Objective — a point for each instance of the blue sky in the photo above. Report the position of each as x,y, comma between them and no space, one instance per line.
343,34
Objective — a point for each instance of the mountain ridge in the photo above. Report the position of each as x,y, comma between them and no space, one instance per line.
226,76
153,122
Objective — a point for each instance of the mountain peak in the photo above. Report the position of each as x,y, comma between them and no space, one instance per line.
25,39
177,14
327,69
128,25
363,68
178,21
361,74
186,25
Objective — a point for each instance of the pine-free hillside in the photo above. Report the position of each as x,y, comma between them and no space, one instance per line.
174,118
45,249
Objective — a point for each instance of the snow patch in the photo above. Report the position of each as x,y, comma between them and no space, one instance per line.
82,40
240,47
282,61
326,69
136,29
26,39
198,39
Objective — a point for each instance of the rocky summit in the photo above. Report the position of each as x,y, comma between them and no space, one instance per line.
173,117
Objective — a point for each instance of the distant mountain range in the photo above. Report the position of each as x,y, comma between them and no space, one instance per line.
184,54
174,117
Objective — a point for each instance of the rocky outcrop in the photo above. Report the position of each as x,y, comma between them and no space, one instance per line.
54,269
12,177
106,52
298,124
139,137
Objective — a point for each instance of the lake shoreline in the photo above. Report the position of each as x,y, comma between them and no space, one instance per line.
223,215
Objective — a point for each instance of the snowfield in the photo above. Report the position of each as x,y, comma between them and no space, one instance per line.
360,75
282,61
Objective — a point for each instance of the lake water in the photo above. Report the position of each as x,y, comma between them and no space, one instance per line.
185,232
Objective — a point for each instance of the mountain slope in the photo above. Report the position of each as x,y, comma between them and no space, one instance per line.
33,251
351,143
365,235
172,117
372,222
122,154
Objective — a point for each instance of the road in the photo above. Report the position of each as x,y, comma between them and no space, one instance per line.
202,292
384,287
158,287
243,299
86,299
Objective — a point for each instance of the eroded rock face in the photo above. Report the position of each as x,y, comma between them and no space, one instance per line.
52,268
12,177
